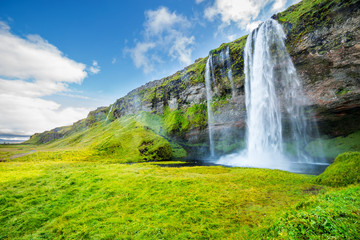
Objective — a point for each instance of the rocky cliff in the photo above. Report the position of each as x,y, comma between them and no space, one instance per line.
323,39
325,46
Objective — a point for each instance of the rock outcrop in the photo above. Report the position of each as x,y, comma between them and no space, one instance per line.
325,47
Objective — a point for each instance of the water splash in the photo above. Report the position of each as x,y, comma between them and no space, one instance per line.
107,116
275,104
209,77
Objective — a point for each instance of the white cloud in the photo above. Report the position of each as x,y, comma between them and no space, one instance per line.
244,13
240,11
95,68
31,89
113,61
35,58
73,95
199,1
165,33
27,115
30,69
295,1
231,37
160,20
4,26
279,5
140,57
251,26
180,50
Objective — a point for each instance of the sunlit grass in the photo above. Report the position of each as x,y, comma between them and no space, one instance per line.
99,200
53,198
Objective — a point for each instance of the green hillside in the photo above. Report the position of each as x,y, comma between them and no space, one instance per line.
128,139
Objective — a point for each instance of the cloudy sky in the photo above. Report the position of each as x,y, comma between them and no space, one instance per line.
60,59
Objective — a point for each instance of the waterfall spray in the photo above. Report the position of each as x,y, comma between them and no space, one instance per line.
226,61
107,116
209,77
274,104
229,71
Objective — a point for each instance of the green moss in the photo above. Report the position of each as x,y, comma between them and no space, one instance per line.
178,152
149,95
344,171
229,145
182,120
175,121
331,147
195,72
127,139
334,215
196,116
152,121
308,15
219,102
342,91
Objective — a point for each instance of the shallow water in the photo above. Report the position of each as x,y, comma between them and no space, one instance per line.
294,167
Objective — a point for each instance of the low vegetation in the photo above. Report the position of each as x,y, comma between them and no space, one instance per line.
331,147
334,215
58,198
344,171
127,139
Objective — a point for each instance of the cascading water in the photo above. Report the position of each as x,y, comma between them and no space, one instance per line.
226,61
107,116
229,73
208,79
277,128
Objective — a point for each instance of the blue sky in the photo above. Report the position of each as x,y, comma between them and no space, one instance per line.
61,59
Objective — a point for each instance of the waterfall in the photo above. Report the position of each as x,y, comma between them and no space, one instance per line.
209,77
107,116
229,73
226,61
274,102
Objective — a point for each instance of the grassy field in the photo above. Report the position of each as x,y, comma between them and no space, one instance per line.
101,200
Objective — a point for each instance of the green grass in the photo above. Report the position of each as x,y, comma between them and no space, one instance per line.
131,138
344,171
78,200
127,139
44,197
7,151
334,215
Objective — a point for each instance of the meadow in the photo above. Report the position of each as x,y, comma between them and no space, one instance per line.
72,199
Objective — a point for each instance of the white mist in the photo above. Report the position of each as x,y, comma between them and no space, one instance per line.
273,96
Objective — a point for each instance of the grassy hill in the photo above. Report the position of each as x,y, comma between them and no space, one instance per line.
127,139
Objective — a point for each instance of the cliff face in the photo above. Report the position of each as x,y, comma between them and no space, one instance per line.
323,39
325,46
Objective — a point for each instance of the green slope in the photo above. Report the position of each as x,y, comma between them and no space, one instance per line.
128,139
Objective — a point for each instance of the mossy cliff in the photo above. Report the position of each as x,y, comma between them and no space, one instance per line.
323,39
324,42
